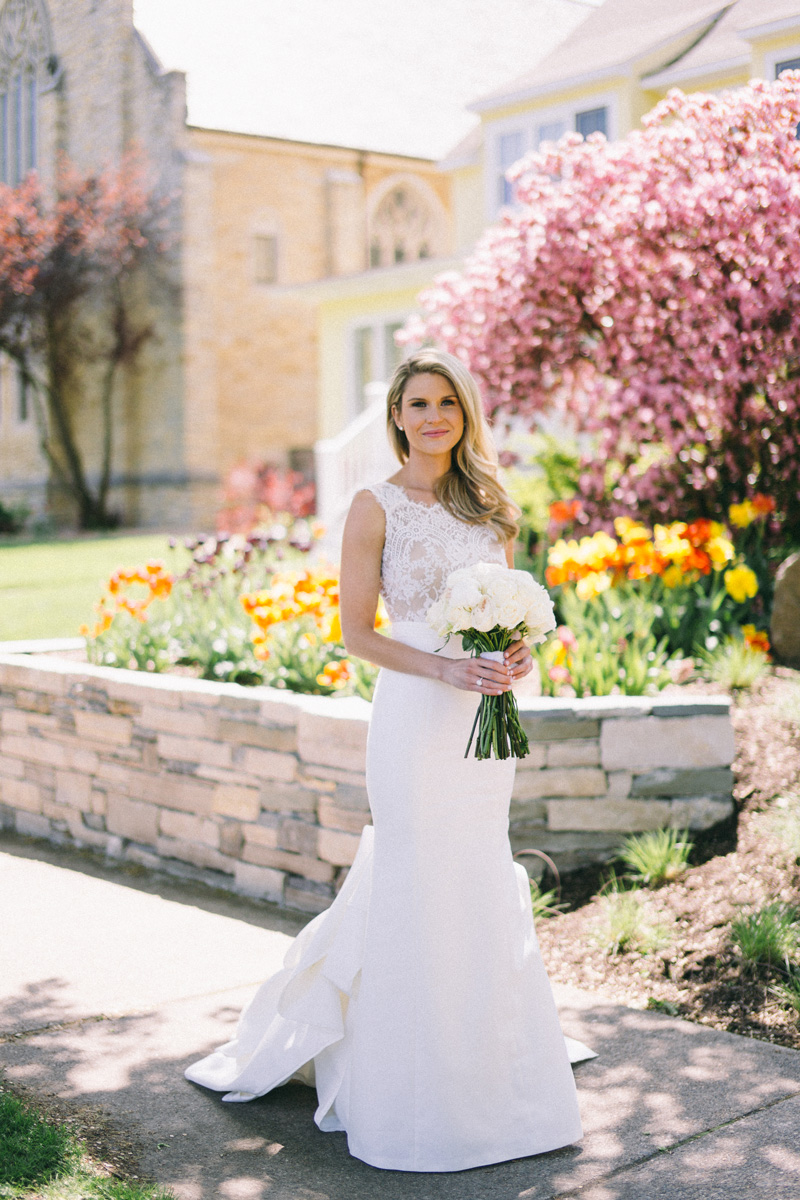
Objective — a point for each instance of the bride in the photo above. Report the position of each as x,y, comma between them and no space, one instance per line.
418,1003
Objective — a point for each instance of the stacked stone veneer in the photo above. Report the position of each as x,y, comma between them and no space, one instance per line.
264,792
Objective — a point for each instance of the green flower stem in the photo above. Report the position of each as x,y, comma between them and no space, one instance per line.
497,719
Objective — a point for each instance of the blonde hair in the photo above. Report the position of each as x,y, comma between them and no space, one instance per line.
470,490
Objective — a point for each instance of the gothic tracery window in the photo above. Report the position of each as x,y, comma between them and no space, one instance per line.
403,228
27,67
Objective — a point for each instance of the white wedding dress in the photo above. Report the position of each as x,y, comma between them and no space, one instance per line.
418,1002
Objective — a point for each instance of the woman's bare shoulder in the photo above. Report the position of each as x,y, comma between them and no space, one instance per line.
366,517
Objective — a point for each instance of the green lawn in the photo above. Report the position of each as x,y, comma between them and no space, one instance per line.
48,590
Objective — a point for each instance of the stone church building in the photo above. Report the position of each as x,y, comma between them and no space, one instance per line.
231,371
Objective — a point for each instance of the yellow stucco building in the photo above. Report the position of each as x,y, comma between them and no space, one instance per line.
611,69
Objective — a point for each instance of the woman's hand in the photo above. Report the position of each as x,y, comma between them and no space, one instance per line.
481,675
518,659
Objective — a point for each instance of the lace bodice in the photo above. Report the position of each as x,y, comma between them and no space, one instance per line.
424,543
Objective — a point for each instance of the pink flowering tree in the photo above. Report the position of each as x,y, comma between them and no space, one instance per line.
651,287
72,317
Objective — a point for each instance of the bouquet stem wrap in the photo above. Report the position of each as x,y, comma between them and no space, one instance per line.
491,606
497,718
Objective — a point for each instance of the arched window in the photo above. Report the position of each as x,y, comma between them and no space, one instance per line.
404,227
27,67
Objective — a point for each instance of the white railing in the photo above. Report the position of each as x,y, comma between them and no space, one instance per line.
357,456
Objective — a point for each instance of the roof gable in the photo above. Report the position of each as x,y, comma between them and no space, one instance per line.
609,40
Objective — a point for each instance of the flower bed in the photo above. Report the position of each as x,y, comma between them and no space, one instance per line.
263,791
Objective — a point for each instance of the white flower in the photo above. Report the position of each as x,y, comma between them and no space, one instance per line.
437,619
539,618
464,592
487,595
510,602
483,616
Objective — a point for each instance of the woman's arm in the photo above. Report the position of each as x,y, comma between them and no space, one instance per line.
359,586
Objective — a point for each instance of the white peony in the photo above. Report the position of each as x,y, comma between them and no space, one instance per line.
539,618
464,592
509,598
483,616
487,595
437,617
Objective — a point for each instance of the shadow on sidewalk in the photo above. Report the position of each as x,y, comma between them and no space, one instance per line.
658,1082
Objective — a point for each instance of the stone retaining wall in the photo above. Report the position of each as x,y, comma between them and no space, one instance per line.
263,792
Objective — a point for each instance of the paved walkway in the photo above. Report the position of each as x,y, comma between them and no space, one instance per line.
112,981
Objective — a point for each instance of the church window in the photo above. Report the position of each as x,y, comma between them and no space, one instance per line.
23,399
26,68
403,227
266,258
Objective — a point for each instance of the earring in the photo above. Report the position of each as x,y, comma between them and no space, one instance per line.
400,427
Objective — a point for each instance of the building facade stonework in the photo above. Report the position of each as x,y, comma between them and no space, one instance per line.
231,369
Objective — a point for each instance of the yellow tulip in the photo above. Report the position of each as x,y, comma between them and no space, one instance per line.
672,576
592,585
741,583
720,551
742,514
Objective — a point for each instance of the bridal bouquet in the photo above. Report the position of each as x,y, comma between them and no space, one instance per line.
490,605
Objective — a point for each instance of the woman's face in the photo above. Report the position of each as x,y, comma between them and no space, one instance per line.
431,414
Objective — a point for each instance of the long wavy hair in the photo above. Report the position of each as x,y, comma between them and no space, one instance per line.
470,490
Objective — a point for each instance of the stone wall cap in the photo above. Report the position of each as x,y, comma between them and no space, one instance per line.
356,708
590,708
692,706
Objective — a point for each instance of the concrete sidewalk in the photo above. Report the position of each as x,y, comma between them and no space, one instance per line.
111,982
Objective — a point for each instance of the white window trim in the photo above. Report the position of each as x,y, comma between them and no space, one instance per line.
773,57
377,322
528,124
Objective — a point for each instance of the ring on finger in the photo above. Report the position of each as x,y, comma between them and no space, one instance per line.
479,681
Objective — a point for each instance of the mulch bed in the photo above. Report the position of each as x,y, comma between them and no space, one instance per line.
699,976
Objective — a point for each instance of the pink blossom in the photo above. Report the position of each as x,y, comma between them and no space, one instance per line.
651,287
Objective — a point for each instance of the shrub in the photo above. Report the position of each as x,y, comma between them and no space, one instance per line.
695,579
625,923
286,633
544,904
769,936
13,517
788,991
649,285
658,857
784,824
606,646
254,491
736,663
